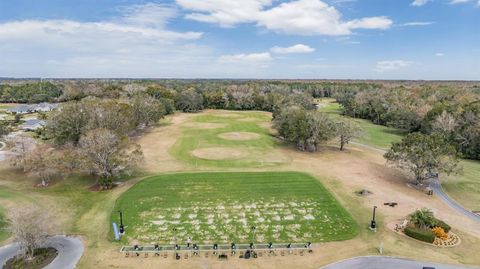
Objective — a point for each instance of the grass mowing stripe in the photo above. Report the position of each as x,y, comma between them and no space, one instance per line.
221,207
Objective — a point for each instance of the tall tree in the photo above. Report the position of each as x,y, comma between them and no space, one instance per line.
423,155
44,163
189,101
20,148
307,129
346,130
31,226
147,110
107,155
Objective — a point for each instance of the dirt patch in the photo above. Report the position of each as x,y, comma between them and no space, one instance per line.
239,136
219,153
204,125
156,142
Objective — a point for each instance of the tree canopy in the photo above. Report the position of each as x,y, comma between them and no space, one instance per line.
423,155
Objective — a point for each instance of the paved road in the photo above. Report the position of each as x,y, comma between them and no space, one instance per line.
378,262
438,190
7,252
70,249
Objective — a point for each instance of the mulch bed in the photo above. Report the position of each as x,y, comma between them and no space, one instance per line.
42,258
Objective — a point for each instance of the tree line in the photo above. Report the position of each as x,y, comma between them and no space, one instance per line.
98,117
452,113
32,92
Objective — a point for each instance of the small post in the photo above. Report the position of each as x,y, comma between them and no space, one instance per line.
373,223
122,228
253,233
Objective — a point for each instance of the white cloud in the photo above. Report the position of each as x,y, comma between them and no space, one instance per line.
313,66
224,12
418,3
417,23
150,14
453,2
299,17
246,58
439,54
298,48
127,45
385,66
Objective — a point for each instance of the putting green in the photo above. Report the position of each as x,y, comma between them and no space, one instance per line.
222,208
249,143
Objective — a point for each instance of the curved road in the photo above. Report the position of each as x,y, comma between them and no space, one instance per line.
379,262
437,189
70,249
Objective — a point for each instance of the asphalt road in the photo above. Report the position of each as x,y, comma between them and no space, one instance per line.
70,249
438,190
377,262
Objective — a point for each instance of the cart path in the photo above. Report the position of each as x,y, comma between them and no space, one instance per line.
380,262
70,250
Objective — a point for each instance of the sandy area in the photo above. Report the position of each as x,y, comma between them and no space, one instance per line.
219,153
156,142
239,136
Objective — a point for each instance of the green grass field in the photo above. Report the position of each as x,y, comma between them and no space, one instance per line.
377,136
3,225
256,151
465,188
222,207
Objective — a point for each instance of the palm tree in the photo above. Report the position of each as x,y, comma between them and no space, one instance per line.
423,218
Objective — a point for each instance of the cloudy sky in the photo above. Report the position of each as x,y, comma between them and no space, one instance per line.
332,39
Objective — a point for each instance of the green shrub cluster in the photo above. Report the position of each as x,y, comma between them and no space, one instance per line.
425,235
443,225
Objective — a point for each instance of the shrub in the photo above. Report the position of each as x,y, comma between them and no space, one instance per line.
443,225
440,233
425,235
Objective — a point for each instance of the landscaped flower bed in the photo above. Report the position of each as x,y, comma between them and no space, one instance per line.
423,226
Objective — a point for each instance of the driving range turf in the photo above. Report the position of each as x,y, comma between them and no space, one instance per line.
222,208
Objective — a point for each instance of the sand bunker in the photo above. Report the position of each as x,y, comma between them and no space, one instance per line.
204,125
239,136
219,153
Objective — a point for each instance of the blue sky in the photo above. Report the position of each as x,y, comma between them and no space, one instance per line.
320,39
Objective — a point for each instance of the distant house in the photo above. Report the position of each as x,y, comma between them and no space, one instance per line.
21,109
45,107
25,109
32,124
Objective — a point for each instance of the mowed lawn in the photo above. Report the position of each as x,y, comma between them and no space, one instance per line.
222,208
198,134
377,136
3,225
465,188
